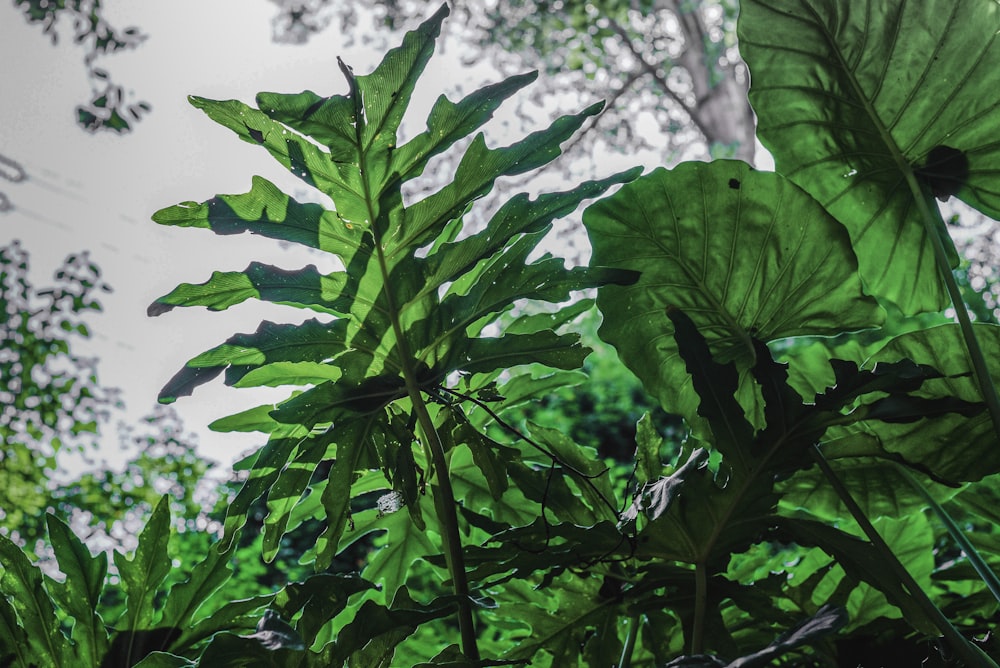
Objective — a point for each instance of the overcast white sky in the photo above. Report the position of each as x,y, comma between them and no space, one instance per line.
97,192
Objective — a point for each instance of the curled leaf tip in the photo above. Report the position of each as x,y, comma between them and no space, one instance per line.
158,308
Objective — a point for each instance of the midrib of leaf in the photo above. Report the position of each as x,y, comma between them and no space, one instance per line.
134,621
91,626
48,636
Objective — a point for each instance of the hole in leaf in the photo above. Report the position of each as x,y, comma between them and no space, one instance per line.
945,171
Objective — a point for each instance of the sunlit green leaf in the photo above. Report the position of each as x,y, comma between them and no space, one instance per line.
414,308
855,102
80,593
142,575
731,247
22,585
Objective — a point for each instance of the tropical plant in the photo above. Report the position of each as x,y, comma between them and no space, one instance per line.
815,509
70,617
405,346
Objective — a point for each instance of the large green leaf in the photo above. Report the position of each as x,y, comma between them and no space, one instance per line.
558,623
953,447
387,290
856,101
142,575
21,584
732,248
875,483
861,561
945,447
79,594
703,516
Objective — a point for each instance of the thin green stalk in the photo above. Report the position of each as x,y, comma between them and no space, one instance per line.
700,604
444,498
932,221
630,637
969,654
971,553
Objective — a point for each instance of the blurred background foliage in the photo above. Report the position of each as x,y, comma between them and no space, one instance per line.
110,107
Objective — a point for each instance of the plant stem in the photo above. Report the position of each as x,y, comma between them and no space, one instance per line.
633,632
932,221
700,603
971,553
444,498
969,654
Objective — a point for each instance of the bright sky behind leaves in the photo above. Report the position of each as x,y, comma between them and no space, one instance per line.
97,192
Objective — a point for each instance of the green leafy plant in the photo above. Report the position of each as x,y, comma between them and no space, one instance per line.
404,341
402,379
58,617
814,513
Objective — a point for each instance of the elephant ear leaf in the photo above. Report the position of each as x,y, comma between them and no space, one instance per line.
876,108
728,246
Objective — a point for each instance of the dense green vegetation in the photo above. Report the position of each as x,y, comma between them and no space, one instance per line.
444,486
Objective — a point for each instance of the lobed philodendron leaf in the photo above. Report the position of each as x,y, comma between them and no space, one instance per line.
874,108
949,438
408,310
953,447
745,254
